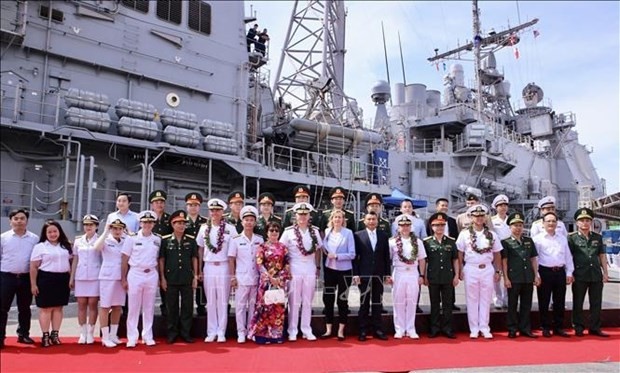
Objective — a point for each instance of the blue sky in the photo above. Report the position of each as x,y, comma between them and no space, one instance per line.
575,59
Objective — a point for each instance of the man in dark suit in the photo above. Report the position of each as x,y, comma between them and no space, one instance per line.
371,265
452,231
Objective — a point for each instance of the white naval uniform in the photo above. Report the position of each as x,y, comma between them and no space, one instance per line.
478,281
303,279
243,250
537,228
143,281
216,279
111,292
406,287
88,267
500,296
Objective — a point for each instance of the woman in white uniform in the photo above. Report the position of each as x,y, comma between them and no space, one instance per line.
50,265
408,261
85,278
141,279
111,292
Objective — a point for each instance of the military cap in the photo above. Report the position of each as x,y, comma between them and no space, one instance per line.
515,217
584,213
266,198
179,215
301,190
216,204
500,199
193,198
546,201
438,218
147,215
403,219
248,211
118,223
337,192
157,195
374,198
303,208
235,197
473,197
478,210
90,219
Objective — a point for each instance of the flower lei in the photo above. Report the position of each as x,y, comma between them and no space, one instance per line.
414,249
220,237
487,234
300,242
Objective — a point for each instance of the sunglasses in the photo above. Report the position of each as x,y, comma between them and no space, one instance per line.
551,221
438,225
274,230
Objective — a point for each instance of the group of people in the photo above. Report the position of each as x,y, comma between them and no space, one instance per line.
258,39
272,264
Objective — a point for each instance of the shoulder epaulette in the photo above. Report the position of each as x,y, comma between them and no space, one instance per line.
166,236
132,234
536,221
190,236
78,237
291,210
452,238
239,235
276,217
572,233
289,227
427,238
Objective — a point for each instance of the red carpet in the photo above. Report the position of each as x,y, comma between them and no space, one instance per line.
320,356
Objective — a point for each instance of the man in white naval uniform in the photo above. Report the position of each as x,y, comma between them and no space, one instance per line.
547,205
304,247
242,262
500,204
213,241
140,278
479,249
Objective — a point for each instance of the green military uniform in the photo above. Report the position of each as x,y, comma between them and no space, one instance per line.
237,223
328,213
518,254
178,257
440,258
235,197
193,226
261,225
162,225
587,252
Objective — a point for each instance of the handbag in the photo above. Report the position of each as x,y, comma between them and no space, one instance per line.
274,296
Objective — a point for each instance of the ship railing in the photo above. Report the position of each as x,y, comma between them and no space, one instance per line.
13,18
16,195
430,146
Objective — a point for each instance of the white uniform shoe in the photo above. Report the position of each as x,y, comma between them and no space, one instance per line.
90,334
398,335
414,336
487,335
292,338
150,342
221,339
473,335
82,339
131,344
241,339
310,337
210,338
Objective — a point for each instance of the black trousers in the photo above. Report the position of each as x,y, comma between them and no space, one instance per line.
336,281
441,296
552,284
201,297
12,285
520,295
595,293
179,323
371,290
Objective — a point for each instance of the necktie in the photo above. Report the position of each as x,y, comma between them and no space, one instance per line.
373,240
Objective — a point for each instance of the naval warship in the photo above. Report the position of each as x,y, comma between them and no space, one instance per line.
99,97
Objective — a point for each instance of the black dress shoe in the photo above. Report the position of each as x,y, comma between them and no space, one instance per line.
579,333
362,337
188,339
25,340
450,335
341,337
381,335
546,333
1,344
201,311
325,336
512,334
599,333
529,335
561,333
433,334
171,340
455,308
384,311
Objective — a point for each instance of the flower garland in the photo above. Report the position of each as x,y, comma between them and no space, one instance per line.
220,237
300,242
414,249
487,234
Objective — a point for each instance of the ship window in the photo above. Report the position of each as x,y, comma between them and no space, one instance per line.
139,5
434,169
169,10
57,15
419,165
200,16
